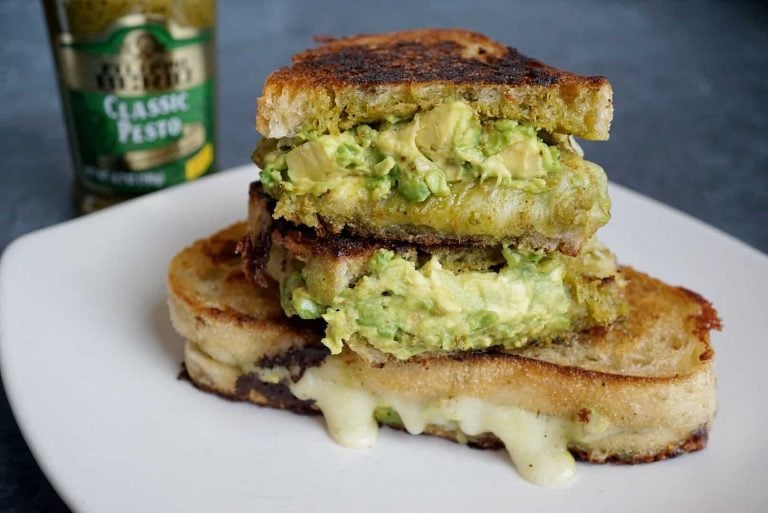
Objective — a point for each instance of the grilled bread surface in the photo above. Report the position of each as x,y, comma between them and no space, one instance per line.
210,295
651,376
366,78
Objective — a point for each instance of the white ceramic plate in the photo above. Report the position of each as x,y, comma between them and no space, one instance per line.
89,362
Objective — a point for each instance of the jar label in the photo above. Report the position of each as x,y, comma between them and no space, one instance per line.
142,105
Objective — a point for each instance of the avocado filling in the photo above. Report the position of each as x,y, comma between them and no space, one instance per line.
403,308
415,158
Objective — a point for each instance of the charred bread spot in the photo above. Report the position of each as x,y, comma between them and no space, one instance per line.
297,360
583,415
276,394
255,247
220,251
325,228
485,442
183,375
254,260
256,190
267,394
309,330
708,319
301,241
426,57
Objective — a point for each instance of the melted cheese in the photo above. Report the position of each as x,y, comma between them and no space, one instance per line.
348,411
537,444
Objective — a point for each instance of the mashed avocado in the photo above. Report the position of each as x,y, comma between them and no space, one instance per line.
415,158
402,308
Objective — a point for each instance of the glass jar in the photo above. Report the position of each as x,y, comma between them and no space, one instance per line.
138,93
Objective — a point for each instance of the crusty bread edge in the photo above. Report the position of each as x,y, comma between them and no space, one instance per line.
252,338
222,380
287,107
575,104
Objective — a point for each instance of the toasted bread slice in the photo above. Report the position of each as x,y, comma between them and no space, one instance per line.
366,78
210,294
640,390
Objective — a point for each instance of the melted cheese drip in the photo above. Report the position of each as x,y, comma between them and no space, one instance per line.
537,444
348,411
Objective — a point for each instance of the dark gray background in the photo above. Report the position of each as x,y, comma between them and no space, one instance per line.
690,89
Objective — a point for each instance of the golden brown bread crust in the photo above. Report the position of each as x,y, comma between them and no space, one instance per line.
666,333
651,375
278,396
364,78
208,291
427,55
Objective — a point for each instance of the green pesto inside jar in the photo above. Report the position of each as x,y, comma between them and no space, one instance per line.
92,17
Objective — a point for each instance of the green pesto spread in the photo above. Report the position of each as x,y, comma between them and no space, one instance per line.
415,158
402,309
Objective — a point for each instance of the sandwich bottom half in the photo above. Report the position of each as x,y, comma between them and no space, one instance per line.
640,390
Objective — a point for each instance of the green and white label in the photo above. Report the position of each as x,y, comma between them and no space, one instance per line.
141,104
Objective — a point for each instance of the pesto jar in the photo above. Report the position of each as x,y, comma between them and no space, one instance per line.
138,93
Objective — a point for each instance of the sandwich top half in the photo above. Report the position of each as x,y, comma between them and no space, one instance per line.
422,192
431,136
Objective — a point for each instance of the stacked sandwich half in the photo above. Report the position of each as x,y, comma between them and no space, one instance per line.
421,252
